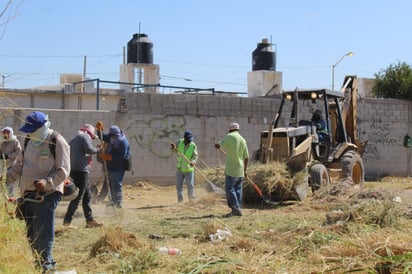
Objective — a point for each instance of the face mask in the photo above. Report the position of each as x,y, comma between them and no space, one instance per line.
40,134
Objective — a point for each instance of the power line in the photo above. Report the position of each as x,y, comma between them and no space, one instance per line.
57,56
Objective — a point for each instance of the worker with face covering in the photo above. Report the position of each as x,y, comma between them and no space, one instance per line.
81,151
9,150
186,150
117,152
42,175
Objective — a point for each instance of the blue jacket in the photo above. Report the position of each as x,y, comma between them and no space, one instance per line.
118,147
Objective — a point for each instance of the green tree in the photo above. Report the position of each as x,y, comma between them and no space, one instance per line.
394,82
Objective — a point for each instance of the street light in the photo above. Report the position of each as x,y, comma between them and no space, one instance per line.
333,68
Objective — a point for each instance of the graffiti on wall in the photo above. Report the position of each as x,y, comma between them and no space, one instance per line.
380,133
157,133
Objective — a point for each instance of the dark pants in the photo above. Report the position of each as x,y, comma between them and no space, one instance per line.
81,180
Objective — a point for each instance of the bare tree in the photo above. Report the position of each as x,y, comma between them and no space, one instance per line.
8,12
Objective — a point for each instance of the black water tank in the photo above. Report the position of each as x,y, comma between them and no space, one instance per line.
263,57
140,49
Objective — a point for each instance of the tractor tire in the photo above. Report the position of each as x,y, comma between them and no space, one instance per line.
319,177
352,167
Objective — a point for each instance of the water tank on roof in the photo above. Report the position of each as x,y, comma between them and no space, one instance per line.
140,49
263,57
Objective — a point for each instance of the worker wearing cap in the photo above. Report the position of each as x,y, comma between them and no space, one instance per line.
116,154
237,157
186,150
41,174
81,151
9,150
320,124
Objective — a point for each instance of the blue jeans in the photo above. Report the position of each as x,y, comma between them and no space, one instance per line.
234,188
81,180
116,185
39,219
189,179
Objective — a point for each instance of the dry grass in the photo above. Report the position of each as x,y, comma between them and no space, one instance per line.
272,179
324,234
15,253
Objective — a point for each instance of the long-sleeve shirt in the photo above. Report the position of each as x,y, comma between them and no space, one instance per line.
37,162
186,154
10,149
81,149
118,147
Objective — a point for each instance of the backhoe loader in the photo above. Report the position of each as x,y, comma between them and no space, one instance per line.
294,138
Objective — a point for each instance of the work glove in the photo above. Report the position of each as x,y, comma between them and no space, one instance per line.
99,126
172,146
4,157
39,185
105,156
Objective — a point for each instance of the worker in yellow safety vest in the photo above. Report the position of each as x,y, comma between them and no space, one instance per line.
186,150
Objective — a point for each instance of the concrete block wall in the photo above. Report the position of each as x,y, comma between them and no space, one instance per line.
154,120
384,123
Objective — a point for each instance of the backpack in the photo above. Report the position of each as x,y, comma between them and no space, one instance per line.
128,163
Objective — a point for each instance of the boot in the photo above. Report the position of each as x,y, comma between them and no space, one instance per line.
92,224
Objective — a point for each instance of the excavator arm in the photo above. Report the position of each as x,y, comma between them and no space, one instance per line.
349,111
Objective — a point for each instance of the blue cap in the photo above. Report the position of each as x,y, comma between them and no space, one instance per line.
114,130
188,135
34,121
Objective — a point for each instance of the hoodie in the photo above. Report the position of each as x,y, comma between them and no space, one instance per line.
10,149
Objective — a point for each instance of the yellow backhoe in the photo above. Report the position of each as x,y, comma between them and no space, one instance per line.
293,137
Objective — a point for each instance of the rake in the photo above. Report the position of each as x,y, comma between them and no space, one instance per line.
213,186
256,188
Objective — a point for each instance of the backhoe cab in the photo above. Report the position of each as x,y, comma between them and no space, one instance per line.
294,138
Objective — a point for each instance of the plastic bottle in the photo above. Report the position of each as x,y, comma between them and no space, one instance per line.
170,250
222,234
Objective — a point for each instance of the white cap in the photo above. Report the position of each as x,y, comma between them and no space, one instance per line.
234,126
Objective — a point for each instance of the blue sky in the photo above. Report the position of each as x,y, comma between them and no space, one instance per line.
210,42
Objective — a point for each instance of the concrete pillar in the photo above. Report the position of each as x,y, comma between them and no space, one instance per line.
264,82
148,75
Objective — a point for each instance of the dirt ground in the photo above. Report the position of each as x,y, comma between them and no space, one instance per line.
151,210
149,198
